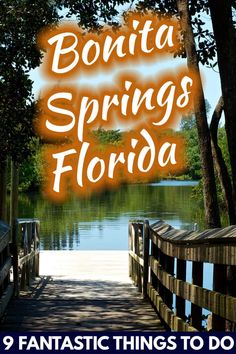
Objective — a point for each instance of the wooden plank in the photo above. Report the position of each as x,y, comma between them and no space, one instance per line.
156,224
76,315
130,247
27,220
138,249
180,235
155,252
28,257
146,245
102,303
222,305
223,235
161,288
6,297
5,269
174,322
4,228
168,266
197,279
4,240
209,234
138,259
217,253
163,228
219,285
180,302
36,247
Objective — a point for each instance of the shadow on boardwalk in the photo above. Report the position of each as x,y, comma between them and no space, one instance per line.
81,305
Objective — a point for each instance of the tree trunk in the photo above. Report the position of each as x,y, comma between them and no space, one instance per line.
14,193
3,190
224,32
13,216
221,15
209,185
220,165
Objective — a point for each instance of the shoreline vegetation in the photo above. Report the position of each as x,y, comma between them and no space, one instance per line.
31,178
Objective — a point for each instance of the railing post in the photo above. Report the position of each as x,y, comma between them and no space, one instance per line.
24,236
135,236
33,237
219,284
29,263
155,253
197,279
130,245
15,258
138,251
161,287
146,233
169,268
36,246
231,280
181,274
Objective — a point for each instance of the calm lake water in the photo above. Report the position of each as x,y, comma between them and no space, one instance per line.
101,222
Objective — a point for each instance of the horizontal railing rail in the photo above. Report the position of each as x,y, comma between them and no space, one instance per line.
158,257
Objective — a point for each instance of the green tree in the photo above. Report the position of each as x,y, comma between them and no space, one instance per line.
221,167
224,32
20,22
108,136
30,174
189,131
217,47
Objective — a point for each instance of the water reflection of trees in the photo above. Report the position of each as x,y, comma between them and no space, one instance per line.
60,223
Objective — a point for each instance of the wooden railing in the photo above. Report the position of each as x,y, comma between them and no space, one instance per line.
6,284
26,258
158,258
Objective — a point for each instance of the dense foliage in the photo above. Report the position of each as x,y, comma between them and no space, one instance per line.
32,167
189,130
20,21
105,137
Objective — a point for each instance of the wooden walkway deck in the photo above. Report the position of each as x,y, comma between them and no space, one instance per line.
82,291
90,290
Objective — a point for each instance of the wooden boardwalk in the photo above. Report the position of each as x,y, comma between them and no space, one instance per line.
82,291
91,290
